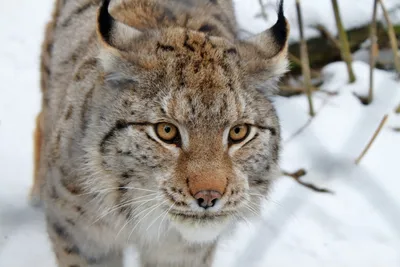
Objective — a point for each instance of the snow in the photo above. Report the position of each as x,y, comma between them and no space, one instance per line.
314,12
359,225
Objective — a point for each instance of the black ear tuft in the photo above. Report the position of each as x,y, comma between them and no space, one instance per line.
280,29
105,22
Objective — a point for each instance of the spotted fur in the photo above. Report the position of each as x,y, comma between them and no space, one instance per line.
112,70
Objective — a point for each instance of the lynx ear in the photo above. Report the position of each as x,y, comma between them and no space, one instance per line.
265,55
111,32
115,38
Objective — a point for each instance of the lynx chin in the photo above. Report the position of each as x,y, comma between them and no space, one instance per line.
155,128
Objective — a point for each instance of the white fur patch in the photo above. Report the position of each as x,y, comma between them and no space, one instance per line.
200,233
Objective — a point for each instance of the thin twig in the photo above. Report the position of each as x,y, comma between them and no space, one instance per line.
372,55
397,110
392,37
377,131
305,63
263,12
297,177
299,131
344,42
324,32
297,61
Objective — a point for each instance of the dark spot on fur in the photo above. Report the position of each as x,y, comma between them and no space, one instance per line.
85,109
119,125
60,231
127,211
79,209
206,28
173,189
69,112
84,68
127,103
196,67
186,44
71,222
72,250
180,203
76,13
259,182
122,188
231,51
125,175
126,153
167,48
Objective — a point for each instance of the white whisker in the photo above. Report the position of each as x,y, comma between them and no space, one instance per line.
135,215
152,209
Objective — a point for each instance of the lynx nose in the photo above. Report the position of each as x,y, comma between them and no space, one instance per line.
207,198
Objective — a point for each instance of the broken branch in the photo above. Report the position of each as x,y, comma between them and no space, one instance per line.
297,177
377,131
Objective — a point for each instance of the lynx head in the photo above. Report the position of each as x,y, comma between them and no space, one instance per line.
189,120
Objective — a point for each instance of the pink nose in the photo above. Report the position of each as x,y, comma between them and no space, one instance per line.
207,198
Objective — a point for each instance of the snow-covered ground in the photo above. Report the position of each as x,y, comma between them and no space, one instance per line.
357,226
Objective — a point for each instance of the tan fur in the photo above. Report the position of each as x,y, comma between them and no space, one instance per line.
106,178
44,80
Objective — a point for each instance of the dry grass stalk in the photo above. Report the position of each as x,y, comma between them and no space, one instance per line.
377,131
397,110
305,65
297,177
263,11
392,37
344,42
297,61
324,32
374,50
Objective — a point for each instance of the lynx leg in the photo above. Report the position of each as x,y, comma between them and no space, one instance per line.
70,253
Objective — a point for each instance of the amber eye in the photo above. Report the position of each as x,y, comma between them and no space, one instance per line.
239,133
167,132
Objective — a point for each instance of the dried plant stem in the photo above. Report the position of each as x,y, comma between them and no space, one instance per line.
344,42
263,12
305,64
297,177
397,110
297,61
377,131
324,32
392,37
372,54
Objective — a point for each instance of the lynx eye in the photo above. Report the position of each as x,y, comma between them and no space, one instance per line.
238,133
167,132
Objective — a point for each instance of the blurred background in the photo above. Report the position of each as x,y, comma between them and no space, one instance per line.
338,200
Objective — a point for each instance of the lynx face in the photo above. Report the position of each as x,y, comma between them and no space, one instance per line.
190,122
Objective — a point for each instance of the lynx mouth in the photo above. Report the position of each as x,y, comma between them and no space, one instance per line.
199,217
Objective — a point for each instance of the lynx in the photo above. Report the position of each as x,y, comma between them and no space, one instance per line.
156,128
